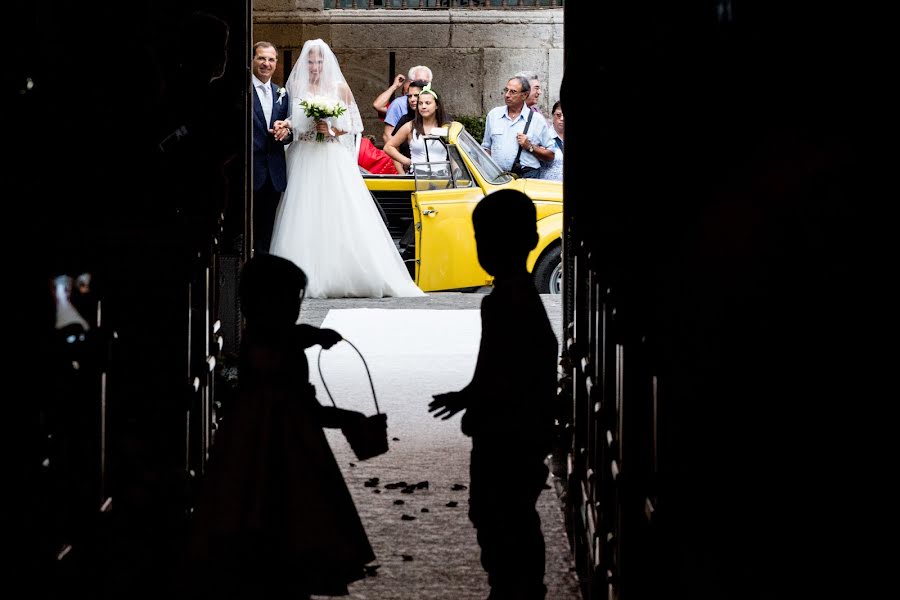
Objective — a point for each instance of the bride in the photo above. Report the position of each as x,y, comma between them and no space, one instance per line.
327,223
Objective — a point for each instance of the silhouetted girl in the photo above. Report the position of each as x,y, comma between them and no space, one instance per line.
275,513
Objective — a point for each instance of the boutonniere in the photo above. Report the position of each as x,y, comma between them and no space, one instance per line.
281,93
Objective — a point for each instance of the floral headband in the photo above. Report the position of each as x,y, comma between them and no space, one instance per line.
427,90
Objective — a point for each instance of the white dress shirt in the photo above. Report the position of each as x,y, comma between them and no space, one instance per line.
264,92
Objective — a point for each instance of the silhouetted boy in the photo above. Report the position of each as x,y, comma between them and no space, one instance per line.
508,404
275,510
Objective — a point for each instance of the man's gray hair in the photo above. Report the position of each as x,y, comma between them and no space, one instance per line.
526,85
529,75
412,72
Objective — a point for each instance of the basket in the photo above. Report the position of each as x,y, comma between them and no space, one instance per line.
367,437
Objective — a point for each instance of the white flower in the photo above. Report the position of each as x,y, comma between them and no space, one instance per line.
320,107
281,93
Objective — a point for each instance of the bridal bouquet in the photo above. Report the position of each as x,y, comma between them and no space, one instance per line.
319,107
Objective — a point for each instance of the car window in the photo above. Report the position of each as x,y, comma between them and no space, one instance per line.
437,174
483,161
434,175
458,169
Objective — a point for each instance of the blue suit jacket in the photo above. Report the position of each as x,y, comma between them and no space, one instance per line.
268,154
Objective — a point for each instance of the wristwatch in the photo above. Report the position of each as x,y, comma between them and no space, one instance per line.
531,148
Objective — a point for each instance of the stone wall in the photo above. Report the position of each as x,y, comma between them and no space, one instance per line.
471,52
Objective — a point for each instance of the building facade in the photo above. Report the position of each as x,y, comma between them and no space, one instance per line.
471,50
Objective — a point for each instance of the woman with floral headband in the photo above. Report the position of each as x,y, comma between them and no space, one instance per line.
327,223
429,115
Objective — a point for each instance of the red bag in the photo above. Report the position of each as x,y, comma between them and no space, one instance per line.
374,160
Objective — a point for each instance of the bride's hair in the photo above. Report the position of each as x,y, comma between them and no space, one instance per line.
330,83
330,79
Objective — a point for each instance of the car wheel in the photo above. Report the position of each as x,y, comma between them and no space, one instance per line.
548,271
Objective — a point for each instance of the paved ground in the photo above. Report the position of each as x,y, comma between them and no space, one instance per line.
435,554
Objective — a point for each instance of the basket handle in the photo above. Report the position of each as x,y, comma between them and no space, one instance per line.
368,374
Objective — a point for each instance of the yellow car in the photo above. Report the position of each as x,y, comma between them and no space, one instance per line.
429,215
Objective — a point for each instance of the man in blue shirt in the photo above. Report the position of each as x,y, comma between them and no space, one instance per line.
505,137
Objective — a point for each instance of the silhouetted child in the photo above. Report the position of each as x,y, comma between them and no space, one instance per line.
509,402
275,514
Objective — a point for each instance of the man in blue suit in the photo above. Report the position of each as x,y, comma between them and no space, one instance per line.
271,105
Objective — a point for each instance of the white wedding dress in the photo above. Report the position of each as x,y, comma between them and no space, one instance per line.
328,225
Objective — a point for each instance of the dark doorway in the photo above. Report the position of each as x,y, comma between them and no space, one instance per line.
729,259
130,167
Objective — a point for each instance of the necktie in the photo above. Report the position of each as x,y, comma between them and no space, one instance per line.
267,103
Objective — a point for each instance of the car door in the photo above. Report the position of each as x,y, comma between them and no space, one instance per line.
443,202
